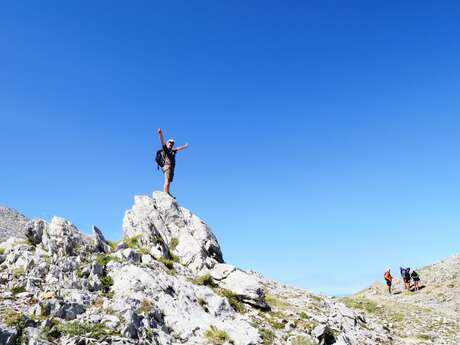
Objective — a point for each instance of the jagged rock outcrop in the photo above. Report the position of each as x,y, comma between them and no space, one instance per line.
159,223
12,224
165,284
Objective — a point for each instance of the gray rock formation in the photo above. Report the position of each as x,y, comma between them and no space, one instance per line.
164,284
99,240
12,224
160,224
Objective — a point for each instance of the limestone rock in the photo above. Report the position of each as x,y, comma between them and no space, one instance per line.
160,222
99,240
246,286
7,335
12,224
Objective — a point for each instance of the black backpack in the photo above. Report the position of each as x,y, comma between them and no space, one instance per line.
160,159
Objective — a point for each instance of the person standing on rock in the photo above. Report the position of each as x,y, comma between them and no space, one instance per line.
169,159
388,279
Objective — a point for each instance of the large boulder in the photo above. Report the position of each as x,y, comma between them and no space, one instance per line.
160,223
62,238
247,287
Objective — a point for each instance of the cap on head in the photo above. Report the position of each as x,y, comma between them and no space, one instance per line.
388,270
171,141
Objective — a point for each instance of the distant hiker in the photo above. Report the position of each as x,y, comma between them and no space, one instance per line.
405,275
166,159
388,279
416,279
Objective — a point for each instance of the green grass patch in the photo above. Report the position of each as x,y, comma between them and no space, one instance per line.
167,262
268,337
10,317
133,242
107,281
145,307
19,272
274,301
173,243
232,298
112,245
144,251
74,328
371,307
2,251
362,304
104,259
18,289
424,337
301,341
205,280
303,315
216,336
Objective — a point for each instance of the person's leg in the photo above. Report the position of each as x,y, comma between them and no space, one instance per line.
167,173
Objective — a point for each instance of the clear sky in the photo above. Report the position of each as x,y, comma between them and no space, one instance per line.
324,134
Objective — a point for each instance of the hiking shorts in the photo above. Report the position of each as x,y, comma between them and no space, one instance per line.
388,282
169,173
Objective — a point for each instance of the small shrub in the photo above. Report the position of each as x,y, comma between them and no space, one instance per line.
104,259
107,281
18,289
205,280
2,251
144,251
145,307
167,262
216,336
173,243
133,242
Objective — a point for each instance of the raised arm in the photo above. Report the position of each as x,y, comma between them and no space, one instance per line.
162,138
183,147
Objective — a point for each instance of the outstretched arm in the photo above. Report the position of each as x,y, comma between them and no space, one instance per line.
162,138
183,147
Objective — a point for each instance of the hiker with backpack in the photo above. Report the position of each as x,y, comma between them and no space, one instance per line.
416,279
388,279
405,275
166,159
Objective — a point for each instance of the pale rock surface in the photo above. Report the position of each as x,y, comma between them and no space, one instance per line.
159,221
167,284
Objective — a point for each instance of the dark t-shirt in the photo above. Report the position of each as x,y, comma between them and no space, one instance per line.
170,156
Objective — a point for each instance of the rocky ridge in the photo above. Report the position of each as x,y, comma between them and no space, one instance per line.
165,283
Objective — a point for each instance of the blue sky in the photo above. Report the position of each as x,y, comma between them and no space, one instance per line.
324,134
